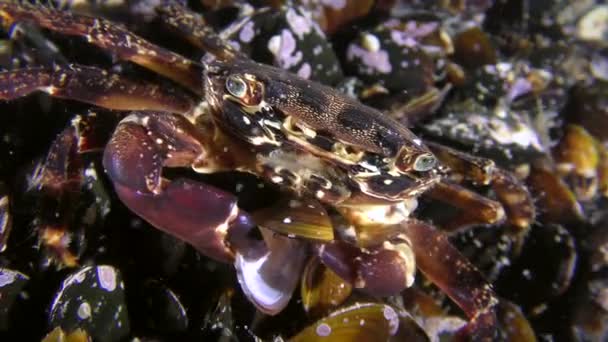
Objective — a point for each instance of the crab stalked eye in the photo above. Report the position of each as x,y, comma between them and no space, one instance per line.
236,86
425,162
245,89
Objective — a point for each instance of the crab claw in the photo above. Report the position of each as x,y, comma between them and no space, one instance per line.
197,213
380,271
194,212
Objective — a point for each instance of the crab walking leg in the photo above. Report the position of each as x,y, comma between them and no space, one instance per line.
108,36
474,208
60,181
95,86
59,178
510,191
515,198
479,170
443,264
195,30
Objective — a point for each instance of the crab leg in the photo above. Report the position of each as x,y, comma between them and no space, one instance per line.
515,198
442,264
388,268
195,30
512,194
478,170
108,36
94,86
59,179
476,209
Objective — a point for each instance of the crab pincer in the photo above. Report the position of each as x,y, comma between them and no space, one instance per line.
206,217
200,214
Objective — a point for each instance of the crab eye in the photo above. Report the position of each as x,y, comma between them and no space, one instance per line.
236,86
424,162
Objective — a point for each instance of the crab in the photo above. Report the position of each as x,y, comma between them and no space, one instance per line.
350,175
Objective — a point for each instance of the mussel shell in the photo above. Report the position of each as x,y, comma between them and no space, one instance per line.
297,218
289,39
393,59
165,311
514,324
321,288
11,284
545,268
578,158
359,322
93,299
473,48
554,199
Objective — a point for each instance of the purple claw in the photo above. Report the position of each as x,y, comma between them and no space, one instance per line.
145,142
194,212
131,161
202,215
377,270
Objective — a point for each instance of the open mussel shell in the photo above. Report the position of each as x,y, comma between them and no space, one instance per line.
321,288
359,322
269,273
304,219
